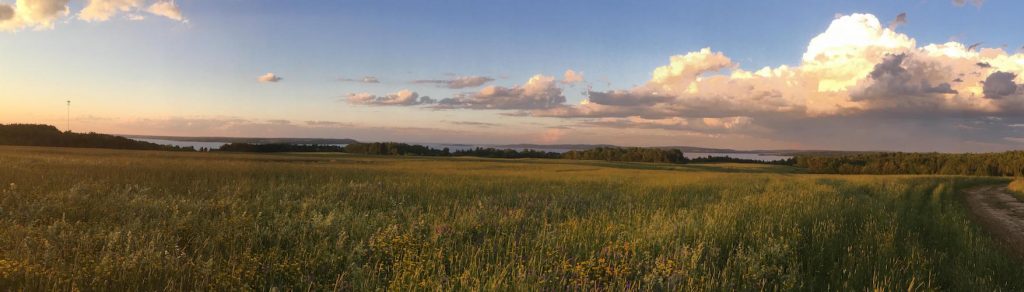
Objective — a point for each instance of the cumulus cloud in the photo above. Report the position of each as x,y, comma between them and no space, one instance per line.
572,77
540,92
899,82
32,14
404,97
6,12
269,78
857,72
166,9
999,85
43,14
459,82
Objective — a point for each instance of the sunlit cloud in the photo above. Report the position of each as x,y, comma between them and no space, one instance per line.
168,9
269,78
403,97
854,73
44,14
572,77
540,92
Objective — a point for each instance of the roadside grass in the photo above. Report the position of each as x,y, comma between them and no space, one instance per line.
1017,187
83,219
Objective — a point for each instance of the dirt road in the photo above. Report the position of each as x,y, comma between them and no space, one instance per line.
1001,213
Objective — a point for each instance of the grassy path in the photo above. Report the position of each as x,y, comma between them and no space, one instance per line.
1001,213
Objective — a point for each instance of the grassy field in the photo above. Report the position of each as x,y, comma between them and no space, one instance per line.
137,220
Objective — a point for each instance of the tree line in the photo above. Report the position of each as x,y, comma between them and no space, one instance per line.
631,154
279,147
981,164
50,136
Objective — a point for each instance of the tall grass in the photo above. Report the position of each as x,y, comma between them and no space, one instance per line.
126,220
1017,187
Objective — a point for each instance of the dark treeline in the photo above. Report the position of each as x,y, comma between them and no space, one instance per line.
394,148
728,159
279,147
506,153
632,154
50,136
982,164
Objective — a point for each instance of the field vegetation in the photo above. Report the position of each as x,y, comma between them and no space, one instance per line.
1017,186
87,219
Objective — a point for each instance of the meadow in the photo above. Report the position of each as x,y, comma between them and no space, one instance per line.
87,219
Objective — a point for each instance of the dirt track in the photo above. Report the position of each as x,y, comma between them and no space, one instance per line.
1001,213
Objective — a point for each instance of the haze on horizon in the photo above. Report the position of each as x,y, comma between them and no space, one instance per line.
915,75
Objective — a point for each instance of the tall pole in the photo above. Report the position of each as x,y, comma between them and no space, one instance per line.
69,116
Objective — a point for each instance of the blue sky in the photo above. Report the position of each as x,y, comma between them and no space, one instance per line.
121,71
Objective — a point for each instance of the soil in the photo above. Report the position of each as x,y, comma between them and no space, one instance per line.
1001,213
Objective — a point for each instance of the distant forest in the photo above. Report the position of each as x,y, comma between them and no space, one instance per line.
981,164
46,135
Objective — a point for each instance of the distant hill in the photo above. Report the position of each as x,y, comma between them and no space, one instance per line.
249,140
47,135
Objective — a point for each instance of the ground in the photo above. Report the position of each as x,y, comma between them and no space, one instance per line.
140,220
1001,212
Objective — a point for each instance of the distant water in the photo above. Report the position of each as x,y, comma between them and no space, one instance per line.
194,144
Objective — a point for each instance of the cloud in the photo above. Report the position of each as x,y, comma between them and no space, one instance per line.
572,77
269,78
166,8
901,82
855,75
472,123
540,92
627,98
6,12
103,10
32,14
365,79
43,14
326,124
459,82
370,79
900,19
999,85
404,97
976,3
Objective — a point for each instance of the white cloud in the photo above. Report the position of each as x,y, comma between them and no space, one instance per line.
269,78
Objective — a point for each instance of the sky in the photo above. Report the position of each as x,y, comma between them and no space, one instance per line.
920,75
